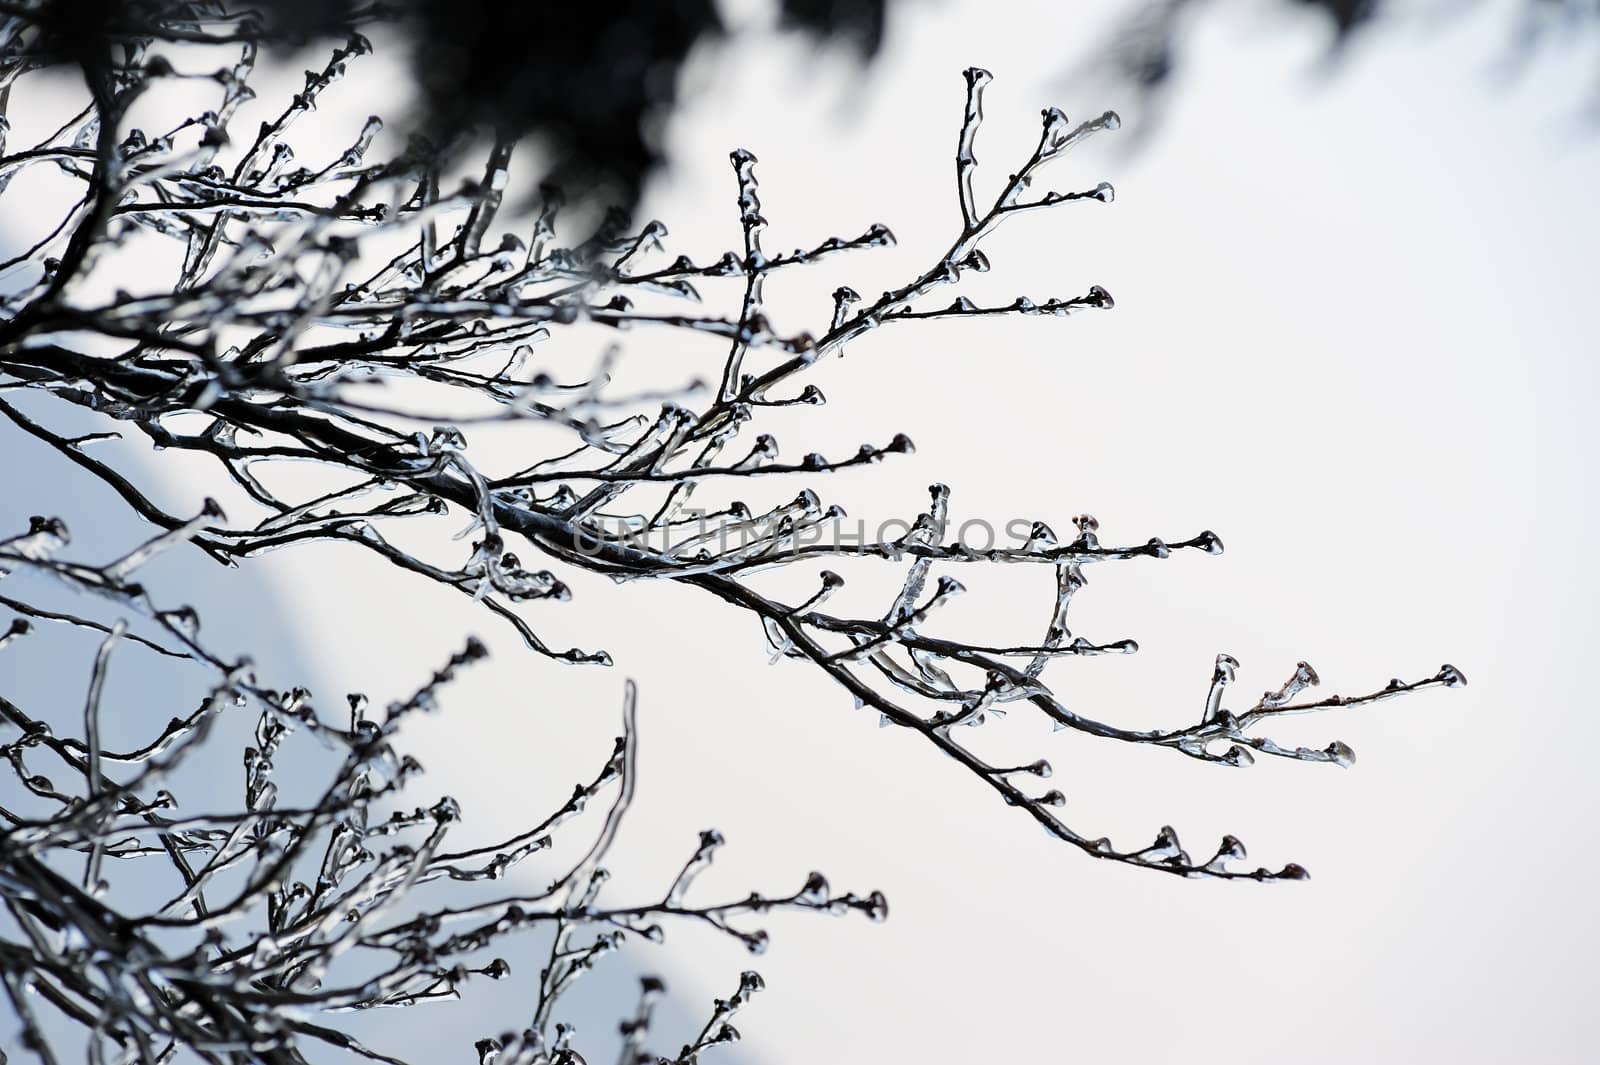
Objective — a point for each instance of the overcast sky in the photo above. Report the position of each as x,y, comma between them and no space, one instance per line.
1354,335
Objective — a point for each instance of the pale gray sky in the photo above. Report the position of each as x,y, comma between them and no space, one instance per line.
1355,336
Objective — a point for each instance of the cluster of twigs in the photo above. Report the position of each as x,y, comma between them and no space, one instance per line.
270,901
263,349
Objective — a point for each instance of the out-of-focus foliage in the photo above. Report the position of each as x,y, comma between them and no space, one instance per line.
593,83
1148,48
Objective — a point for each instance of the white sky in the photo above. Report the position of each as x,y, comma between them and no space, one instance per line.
1354,335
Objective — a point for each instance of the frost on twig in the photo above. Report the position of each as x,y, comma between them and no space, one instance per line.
286,336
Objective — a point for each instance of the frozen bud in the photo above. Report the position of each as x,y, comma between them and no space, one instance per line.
815,889
900,445
1340,754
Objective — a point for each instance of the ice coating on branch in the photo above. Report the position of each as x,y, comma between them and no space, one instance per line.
285,336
